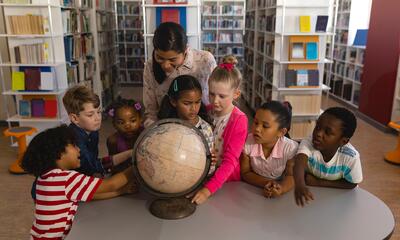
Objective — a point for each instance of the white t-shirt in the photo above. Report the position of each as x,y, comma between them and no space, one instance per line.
273,166
344,164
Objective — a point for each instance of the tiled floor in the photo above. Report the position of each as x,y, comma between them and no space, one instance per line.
380,178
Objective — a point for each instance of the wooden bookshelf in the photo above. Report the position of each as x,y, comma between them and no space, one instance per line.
272,27
223,24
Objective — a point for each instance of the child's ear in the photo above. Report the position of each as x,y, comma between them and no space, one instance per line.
282,132
173,102
74,118
236,94
344,141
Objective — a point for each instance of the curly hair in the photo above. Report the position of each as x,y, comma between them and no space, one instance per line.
124,103
46,148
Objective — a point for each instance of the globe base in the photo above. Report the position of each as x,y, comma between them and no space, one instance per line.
172,208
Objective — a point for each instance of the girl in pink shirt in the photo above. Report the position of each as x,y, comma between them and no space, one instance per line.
266,159
230,127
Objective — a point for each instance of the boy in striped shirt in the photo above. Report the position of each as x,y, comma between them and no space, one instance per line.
50,156
327,159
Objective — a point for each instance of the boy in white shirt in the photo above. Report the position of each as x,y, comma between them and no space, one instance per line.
327,159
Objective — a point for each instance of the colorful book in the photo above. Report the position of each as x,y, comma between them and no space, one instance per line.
50,108
313,78
37,107
322,22
47,81
312,51
302,78
32,79
18,81
361,37
24,108
174,14
297,50
305,23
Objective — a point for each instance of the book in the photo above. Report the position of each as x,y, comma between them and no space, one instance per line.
47,81
305,23
302,78
171,14
312,51
313,78
322,22
297,50
37,107
291,78
32,79
347,91
361,37
17,81
24,108
50,108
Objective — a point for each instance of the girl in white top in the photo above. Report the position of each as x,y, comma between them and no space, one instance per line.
266,159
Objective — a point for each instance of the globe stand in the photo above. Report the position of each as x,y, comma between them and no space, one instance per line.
172,208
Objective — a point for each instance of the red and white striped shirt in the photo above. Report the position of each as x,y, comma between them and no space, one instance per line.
57,195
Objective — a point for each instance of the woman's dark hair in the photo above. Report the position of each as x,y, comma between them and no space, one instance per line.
180,84
45,148
282,112
169,36
124,103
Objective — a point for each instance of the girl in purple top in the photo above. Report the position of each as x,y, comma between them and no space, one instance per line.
127,120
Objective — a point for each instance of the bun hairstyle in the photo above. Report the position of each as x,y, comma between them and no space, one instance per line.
227,72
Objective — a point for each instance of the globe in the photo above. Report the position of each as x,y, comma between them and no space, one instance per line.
171,160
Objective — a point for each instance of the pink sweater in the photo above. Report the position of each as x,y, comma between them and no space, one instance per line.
234,139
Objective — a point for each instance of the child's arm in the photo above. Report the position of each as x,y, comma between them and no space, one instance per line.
232,150
301,193
111,187
112,145
121,157
341,183
248,175
128,188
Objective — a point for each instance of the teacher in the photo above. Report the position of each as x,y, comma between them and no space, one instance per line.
171,58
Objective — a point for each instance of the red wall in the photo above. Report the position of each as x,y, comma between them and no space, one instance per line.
381,59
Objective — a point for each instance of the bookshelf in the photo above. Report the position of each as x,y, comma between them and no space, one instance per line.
344,76
105,48
35,77
130,42
223,24
284,60
192,19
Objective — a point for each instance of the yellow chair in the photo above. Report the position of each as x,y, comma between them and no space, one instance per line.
20,134
394,156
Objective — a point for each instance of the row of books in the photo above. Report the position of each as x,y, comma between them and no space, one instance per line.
77,47
343,20
33,79
137,63
348,71
28,24
267,23
130,36
107,59
222,37
249,38
32,53
250,21
223,9
75,22
266,3
104,4
128,8
77,3
38,107
320,23
130,23
134,51
105,21
132,77
268,70
223,23
106,40
301,78
341,37
248,56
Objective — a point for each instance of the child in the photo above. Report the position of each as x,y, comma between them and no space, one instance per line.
127,120
265,159
230,127
50,156
328,159
184,102
83,108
